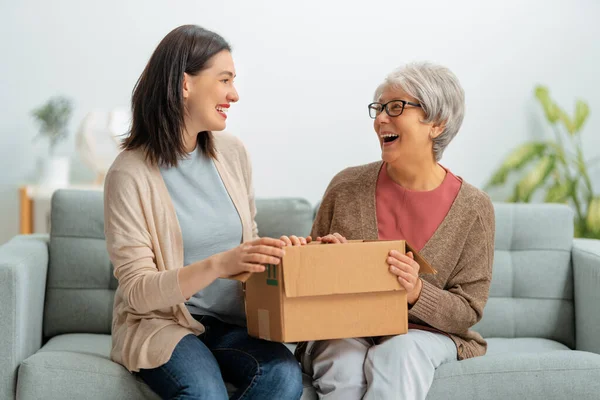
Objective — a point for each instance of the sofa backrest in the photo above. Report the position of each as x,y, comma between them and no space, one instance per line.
532,283
81,286
531,293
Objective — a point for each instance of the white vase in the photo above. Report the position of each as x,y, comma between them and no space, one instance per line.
55,172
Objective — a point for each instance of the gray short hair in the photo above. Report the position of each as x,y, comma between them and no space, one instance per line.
438,91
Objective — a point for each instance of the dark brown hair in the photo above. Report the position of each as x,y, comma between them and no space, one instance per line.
157,100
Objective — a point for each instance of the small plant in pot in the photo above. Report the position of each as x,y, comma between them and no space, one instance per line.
53,117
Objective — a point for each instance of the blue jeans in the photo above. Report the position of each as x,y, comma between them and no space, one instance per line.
200,365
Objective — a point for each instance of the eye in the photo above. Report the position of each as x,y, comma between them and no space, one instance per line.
226,80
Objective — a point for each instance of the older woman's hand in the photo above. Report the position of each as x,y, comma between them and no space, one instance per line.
406,269
294,240
332,238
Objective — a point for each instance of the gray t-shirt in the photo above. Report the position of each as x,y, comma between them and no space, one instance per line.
209,224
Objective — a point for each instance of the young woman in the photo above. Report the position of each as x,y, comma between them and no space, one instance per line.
179,215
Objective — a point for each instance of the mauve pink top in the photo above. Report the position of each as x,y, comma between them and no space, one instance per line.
413,216
409,215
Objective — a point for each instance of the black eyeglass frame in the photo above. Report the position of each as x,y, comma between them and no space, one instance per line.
384,107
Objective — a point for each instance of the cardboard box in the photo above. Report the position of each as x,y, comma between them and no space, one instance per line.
329,291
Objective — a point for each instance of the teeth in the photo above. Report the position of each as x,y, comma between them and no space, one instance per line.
387,135
223,110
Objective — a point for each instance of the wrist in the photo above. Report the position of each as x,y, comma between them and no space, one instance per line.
416,293
197,276
215,266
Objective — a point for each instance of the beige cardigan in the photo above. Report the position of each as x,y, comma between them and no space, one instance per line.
145,246
461,250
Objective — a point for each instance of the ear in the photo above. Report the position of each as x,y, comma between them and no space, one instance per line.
436,130
185,87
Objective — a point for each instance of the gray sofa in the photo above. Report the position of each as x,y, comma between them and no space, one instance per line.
542,321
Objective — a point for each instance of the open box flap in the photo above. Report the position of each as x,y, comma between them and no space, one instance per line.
424,266
339,269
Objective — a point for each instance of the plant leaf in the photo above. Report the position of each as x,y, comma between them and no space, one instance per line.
567,122
536,177
516,160
551,110
514,197
524,153
593,216
559,192
582,110
559,151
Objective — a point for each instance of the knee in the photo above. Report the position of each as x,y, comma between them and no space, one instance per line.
203,389
340,359
285,376
396,348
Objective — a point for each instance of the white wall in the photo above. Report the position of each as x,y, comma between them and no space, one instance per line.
305,75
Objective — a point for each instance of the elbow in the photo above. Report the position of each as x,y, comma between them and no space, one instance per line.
132,296
469,310
466,315
475,318
472,316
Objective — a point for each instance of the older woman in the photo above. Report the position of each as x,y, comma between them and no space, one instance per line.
417,111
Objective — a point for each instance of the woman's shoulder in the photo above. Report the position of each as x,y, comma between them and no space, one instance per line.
129,168
475,201
228,144
231,150
232,153
128,160
355,177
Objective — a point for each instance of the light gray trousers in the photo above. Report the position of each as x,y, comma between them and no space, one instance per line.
391,367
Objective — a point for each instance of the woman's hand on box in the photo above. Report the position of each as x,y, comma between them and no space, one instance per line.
406,269
332,238
294,240
250,257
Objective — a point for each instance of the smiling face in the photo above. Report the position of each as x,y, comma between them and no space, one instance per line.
403,137
208,95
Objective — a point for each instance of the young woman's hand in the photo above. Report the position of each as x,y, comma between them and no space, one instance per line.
332,238
294,240
406,269
250,257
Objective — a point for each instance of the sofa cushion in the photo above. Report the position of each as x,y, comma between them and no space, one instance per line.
78,366
522,345
80,286
521,374
531,293
284,216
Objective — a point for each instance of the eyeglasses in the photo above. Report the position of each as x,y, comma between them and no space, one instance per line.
393,108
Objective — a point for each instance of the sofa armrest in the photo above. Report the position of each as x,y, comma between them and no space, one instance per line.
586,273
23,269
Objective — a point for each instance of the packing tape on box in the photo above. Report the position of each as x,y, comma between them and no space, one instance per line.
264,325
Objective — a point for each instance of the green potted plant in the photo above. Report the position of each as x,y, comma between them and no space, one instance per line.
52,118
556,168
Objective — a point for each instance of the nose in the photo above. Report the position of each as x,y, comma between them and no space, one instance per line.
382,118
232,95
